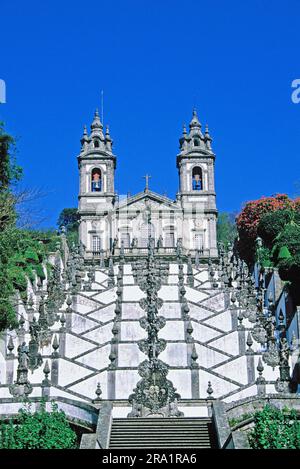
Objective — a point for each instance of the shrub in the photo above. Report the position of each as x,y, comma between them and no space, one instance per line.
31,256
249,218
271,224
40,271
38,430
289,238
275,429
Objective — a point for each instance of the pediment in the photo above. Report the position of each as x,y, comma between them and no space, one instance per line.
152,200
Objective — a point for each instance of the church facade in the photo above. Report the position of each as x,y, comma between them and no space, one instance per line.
109,225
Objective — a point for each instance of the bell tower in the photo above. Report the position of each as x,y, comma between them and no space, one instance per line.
97,164
195,163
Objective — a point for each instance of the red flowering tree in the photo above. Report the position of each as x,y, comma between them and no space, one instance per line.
248,220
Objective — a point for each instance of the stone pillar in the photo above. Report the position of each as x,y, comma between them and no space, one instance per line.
10,357
55,361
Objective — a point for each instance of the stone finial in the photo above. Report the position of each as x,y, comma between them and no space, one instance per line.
85,138
96,124
195,121
249,343
112,357
210,390
10,345
55,346
240,319
194,357
63,320
98,393
189,330
260,369
46,371
108,140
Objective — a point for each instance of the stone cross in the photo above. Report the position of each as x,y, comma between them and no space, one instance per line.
147,177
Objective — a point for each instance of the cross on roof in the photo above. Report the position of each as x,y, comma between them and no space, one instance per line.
147,177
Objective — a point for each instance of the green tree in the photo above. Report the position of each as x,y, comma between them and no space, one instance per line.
226,229
271,225
10,172
275,429
21,251
69,219
38,430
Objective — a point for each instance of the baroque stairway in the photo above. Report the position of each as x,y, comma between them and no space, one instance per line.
157,339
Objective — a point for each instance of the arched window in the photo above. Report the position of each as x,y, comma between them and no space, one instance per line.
196,142
96,143
197,179
96,183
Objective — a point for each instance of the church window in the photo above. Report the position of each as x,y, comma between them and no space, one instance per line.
96,184
199,241
197,179
96,143
96,243
196,142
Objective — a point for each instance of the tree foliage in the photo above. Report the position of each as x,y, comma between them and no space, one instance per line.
249,219
271,225
275,429
10,172
21,252
69,219
38,430
226,229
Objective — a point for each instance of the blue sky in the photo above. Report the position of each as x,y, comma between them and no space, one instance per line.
155,60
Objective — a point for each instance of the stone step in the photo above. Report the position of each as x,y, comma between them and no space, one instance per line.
162,433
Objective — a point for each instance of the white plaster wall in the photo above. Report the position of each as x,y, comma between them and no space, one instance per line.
81,324
194,295
97,359
228,343
216,302
168,293
250,391
173,330
219,385
170,310
129,355
208,357
235,370
203,333
131,330
75,346
69,372
101,335
221,321
175,354
88,387
132,293
125,382
199,313
104,314
181,380
132,311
